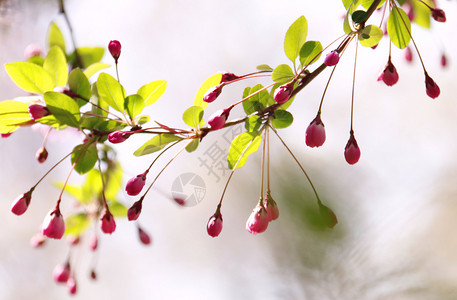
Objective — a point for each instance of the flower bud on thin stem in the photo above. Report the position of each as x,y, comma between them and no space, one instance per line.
315,133
71,285
21,203
215,222
134,212
283,93
41,155
352,151
432,89
37,240
332,58
107,222
144,236
117,137
93,243
61,273
389,75
328,216
408,54
438,15
258,220
37,111
135,184
271,207
213,93
54,224
114,48
218,119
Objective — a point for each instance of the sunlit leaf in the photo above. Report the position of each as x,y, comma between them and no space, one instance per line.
193,116
156,143
94,68
134,105
370,35
295,38
152,91
30,77
282,119
55,37
79,84
310,52
85,156
76,224
209,83
111,91
12,113
63,108
399,28
56,65
242,146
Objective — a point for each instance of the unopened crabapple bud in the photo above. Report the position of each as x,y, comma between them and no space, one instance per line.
227,76
315,133
6,135
33,50
214,226
93,243
389,75
37,240
282,93
117,137
432,89
21,203
73,240
61,273
144,236
352,150
271,207
135,184
37,111
71,285
54,225
114,48
438,15
218,119
258,220
41,155
443,60
93,275
213,93
332,58
408,54
107,222
134,212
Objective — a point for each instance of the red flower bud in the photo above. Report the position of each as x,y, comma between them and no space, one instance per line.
315,133
114,48
408,54
37,240
54,225
21,203
332,58
352,151
135,185
41,155
134,212
258,220
226,77
443,60
117,137
282,93
5,135
389,75
93,275
71,285
93,243
271,207
37,111
432,89
144,237
213,93
107,222
214,226
438,15
61,273
218,119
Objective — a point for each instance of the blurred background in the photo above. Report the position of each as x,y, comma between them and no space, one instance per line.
396,208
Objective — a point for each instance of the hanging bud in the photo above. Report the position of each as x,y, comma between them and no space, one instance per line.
37,240
41,155
214,226
389,75
144,237
218,119
328,216
117,137
282,93
432,89
408,54
93,275
332,58
6,135
213,93
54,225
258,220
134,212
443,60
71,285
114,48
37,111
93,243
107,222
61,273
271,207
315,133
226,77
352,151
438,15
32,50
135,184
73,240
21,203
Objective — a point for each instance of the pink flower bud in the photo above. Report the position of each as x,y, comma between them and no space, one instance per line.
61,273
54,225
71,285
315,133
218,119
144,237
93,275
37,240
332,58
114,48
226,77
5,135
213,93
41,155
258,220
107,222
282,93
271,207
93,243
134,212
438,15
135,185
37,111
443,60
352,151
32,50
73,240
389,75
408,54
214,226
328,216
432,89
21,203
117,137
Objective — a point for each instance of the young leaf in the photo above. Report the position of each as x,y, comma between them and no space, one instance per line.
282,119
13,113
310,52
152,91
92,187
56,65
76,224
114,184
156,143
111,91
367,3
370,35
89,55
192,145
134,105
242,146
422,13
85,156
256,102
94,68
117,209
282,74
30,77
253,123
55,37
209,83
193,116
79,84
63,108
295,38
399,28
264,68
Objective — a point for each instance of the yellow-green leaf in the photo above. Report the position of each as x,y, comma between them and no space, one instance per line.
30,77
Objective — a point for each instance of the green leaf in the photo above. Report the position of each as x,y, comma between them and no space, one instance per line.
111,91
253,123
193,116
422,13
152,91
209,83
72,190
92,187
85,156
347,3
283,74
56,65
13,113
367,3
192,145
55,37
64,108
295,38
359,16
79,84
346,26
90,55
282,119
242,146
399,28
117,209
256,102
102,107
30,77
156,143
94,68
134,105
310,52
370,35
114,184
264,68
354,5
76,224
